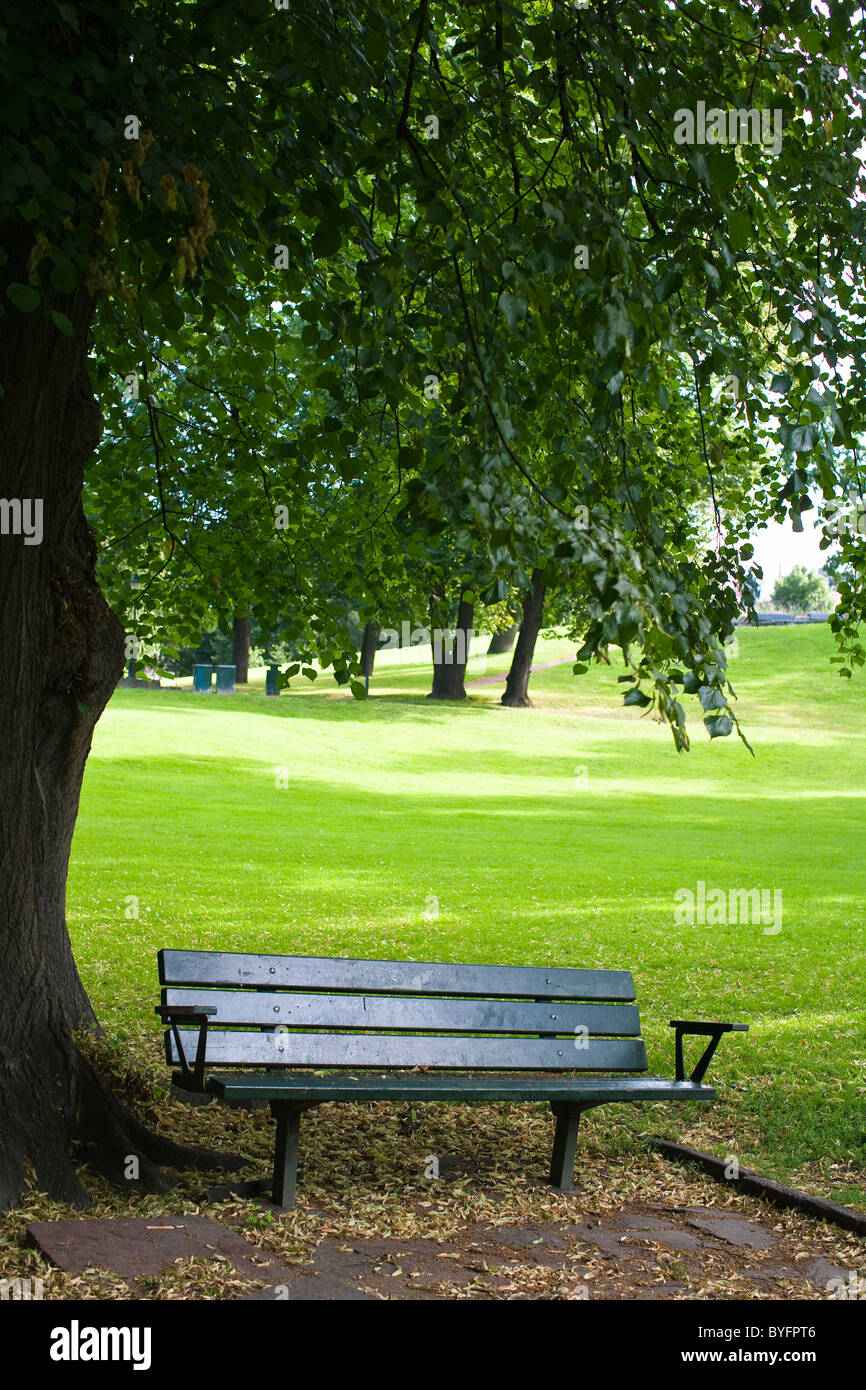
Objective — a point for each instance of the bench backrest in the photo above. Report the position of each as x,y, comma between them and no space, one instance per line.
312,1011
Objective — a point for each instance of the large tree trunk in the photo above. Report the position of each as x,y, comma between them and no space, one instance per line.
502,642
450,655
241,646
63,652
517,683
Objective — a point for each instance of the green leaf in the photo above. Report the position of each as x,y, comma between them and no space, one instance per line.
711,698
636,697
513,308
812,40
67,12
438,213
740,229
801,439
668,283
722,169
719,725
383,292
327,239
62,322
712,273
24,297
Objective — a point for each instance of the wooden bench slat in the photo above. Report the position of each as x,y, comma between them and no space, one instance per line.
292,1049
231,969
451,1086
408,1013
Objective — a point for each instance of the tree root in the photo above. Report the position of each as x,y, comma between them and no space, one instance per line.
92,1128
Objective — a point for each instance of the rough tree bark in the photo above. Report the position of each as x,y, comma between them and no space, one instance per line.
241,646
502,642
63,653
449,659
517,683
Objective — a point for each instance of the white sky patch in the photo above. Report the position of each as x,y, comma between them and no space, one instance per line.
778,548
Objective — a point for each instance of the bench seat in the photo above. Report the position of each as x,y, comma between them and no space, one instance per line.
453,1086
305,1030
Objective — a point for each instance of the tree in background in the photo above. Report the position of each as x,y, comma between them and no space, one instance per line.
502,638
802,591
516,692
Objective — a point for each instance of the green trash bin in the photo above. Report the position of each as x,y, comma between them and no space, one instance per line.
202,678
271,687
225,679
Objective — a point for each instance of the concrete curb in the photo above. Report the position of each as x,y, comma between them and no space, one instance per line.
847,1217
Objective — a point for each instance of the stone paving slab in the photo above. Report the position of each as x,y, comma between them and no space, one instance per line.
819,1272
135,1246
735,1231
608,1239
422,1264
635,1249
384,1267
648,1252
635,1223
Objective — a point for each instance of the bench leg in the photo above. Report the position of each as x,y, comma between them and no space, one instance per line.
564,1144
288,1119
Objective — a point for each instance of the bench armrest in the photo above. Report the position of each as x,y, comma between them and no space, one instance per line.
713,1031
197,1013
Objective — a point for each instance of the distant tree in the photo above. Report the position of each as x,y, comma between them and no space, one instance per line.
801,591
501,620
216,648
516,693
503,640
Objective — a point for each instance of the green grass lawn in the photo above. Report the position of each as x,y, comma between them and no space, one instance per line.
554,835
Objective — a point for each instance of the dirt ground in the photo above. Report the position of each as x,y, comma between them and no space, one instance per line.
377,1217
637,1230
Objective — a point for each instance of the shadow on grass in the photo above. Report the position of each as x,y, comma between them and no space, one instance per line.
307,704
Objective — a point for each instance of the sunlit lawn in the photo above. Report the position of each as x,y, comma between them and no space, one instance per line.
555,835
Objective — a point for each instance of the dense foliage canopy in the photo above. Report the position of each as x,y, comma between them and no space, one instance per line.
375,280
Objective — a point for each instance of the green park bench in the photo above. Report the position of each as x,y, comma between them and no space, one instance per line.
318,1029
